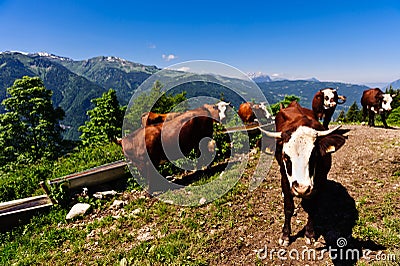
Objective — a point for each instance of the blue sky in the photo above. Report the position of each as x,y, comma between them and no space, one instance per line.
350,41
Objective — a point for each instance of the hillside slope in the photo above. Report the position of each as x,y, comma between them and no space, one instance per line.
360,205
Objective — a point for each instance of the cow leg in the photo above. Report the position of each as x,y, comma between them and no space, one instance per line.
384,120
371,120
289,210
326,122
309,207
364,114
327,118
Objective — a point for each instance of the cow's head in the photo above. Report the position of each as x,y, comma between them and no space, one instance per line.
264,108
299,155
218,110
330,97
386,100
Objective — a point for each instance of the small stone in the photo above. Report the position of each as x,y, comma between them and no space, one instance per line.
136,211
202,201
104,194
77,209
117,204
123,262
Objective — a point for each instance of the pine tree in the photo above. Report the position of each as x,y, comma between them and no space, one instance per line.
155,100
353,114
341,117
29,129
105,120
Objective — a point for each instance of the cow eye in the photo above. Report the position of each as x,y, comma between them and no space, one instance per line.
326,98
384,102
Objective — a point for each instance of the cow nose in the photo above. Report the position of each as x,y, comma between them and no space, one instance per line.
300,189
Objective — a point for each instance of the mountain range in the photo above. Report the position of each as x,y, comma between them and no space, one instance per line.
74,83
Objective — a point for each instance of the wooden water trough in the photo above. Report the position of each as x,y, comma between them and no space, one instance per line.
15,211
12,212
94,176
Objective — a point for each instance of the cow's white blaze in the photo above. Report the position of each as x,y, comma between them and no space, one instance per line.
329,98
387,100
222,109
264,108
299,149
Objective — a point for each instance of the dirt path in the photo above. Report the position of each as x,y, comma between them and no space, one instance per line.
362,170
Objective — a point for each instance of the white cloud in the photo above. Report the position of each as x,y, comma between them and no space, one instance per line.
169,57
152,46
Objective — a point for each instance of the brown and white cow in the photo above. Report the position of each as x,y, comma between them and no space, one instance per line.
324,104
151,118
148,146
251,112
374,101
303,151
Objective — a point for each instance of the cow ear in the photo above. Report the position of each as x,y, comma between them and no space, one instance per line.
331,143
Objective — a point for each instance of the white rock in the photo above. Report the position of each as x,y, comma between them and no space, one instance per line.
77,209
136,211
117,204
104,194
202,201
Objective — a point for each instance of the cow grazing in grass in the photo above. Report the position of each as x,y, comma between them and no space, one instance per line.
251,112
303,151
324,104
374,101
148,146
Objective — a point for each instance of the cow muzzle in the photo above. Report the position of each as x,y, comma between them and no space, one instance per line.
301,191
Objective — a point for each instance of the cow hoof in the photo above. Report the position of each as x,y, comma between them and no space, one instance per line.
309,240
284,241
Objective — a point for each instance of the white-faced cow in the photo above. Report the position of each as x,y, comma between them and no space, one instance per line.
324,104
374,101
251,112
303,151
148,146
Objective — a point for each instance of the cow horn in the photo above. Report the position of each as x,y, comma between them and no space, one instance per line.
343,98
271,134
327,132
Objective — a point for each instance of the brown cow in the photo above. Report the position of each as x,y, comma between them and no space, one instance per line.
374,101
303,151
251,112
324,104
150,118
147,147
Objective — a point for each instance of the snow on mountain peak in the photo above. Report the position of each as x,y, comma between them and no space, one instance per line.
259,76
52,56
